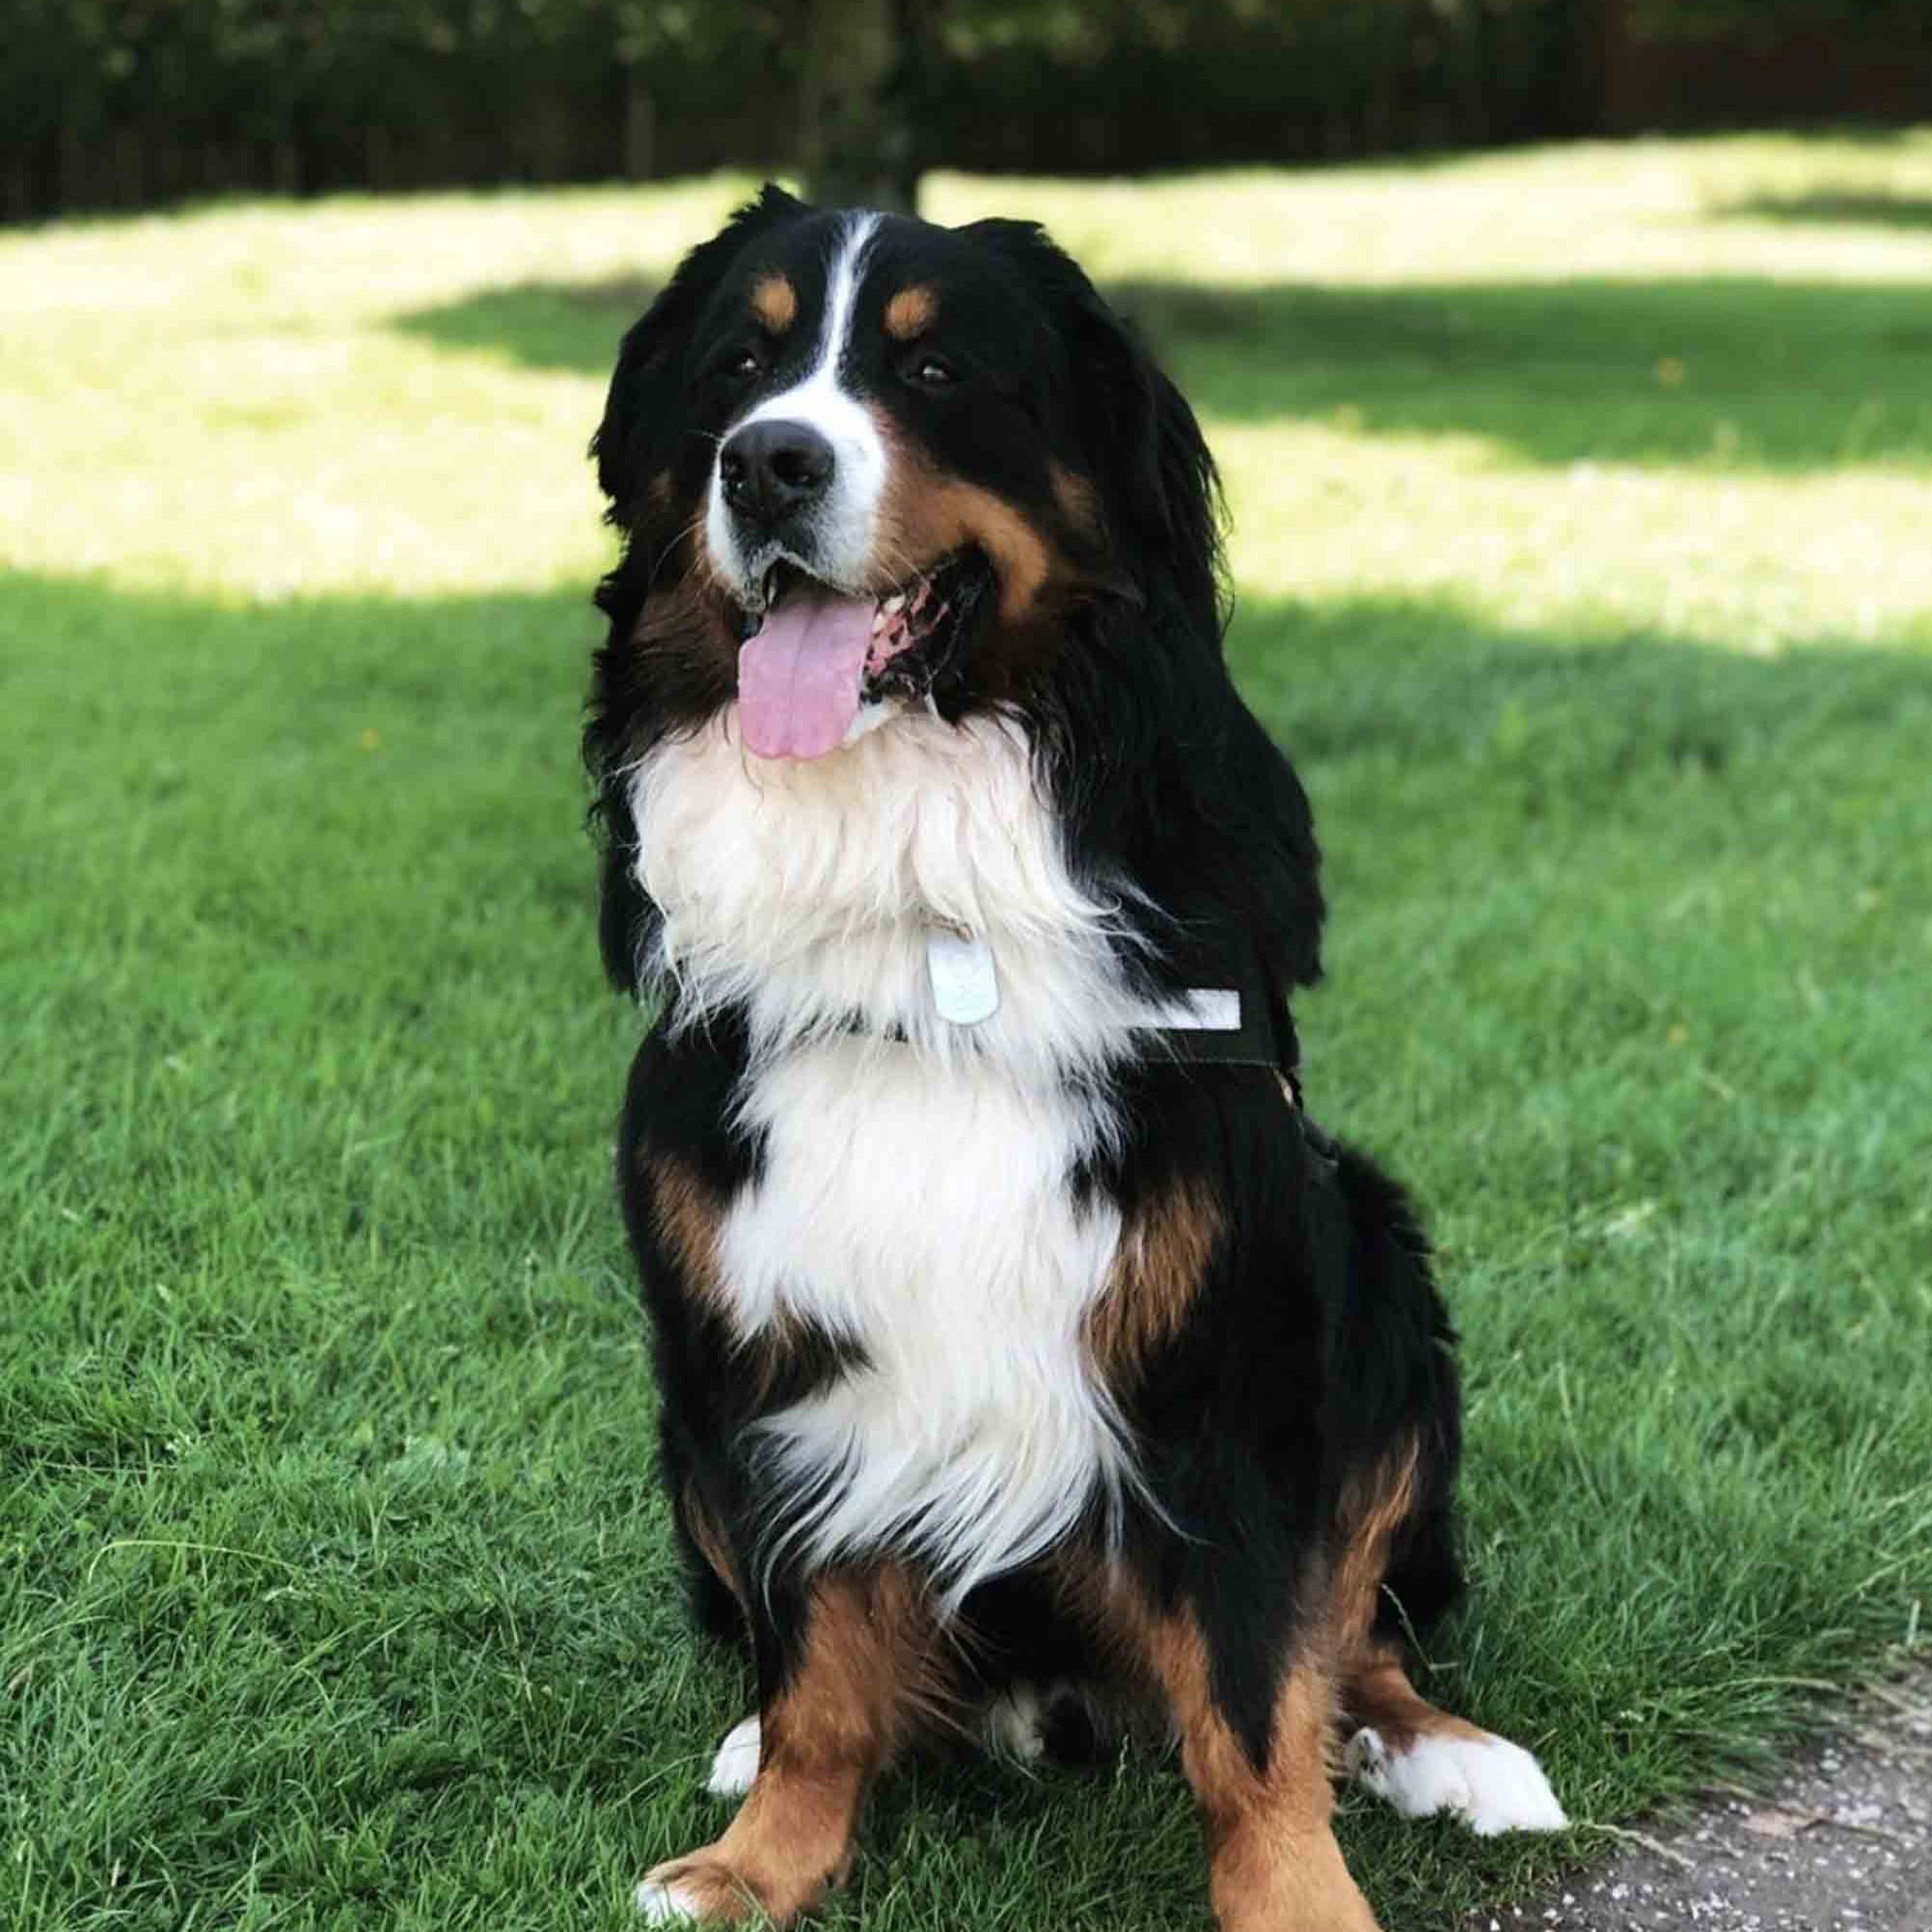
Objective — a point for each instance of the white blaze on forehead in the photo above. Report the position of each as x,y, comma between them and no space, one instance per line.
842,526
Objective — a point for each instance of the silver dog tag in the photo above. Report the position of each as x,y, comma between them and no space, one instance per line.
965,988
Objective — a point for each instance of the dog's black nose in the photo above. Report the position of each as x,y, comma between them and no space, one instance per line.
772,470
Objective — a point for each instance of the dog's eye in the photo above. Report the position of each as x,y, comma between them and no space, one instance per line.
746,365
930,372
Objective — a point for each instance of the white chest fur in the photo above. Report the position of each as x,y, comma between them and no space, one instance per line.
914,1195
925,1213
806,892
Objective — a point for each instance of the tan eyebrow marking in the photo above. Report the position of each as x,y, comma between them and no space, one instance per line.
1074,495
775,302
911,311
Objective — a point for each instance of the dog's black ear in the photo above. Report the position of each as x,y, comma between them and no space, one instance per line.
1141,449
1239,837
640,408
1160,766
1148,460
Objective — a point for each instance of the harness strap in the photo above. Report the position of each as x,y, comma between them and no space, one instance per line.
1218,1025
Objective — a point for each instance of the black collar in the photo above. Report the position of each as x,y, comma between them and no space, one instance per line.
1221,1026
1215,1026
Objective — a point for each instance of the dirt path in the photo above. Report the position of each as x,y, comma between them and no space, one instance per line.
1840,1842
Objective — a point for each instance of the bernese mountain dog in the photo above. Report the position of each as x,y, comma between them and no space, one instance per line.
1028,1359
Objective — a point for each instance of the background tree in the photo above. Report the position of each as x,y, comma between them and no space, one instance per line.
858,101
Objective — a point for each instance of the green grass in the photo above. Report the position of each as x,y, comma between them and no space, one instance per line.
1582,505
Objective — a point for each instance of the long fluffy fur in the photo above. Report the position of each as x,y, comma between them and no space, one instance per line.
1057,1321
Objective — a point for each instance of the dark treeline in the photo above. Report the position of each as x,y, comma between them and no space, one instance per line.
115,104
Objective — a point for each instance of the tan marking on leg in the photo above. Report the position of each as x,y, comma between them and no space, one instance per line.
1164,1253
1376,1694
1374,1688
872,1665
775,302
1274,1865
1372,1508
911,311
1273,1862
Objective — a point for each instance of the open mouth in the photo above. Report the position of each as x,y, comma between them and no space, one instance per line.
812,655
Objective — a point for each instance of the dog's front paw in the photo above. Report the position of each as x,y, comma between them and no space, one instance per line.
1489,1783
700,1890
661,1904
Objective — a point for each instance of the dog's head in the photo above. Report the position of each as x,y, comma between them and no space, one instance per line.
863,465
863,461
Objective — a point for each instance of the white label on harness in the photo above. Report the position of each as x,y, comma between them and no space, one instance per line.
1200,1009
965,988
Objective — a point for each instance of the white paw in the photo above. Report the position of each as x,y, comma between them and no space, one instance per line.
735,1766
665,1904
1015,1726
1489,1783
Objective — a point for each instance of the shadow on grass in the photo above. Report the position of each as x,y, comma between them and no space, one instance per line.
539,325
1870,208
1747,373
1752,373
1425,683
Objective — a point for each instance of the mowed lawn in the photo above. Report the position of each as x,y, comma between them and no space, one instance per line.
1583,510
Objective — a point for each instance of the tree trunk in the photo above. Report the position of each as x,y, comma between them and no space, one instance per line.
130,188
856,121
74,176
1619,106
641,132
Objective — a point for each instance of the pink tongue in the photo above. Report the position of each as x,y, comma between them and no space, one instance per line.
798,677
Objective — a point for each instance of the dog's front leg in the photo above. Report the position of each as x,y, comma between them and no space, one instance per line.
1273,1862
838,1690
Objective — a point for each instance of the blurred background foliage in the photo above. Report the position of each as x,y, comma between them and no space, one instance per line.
119,103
